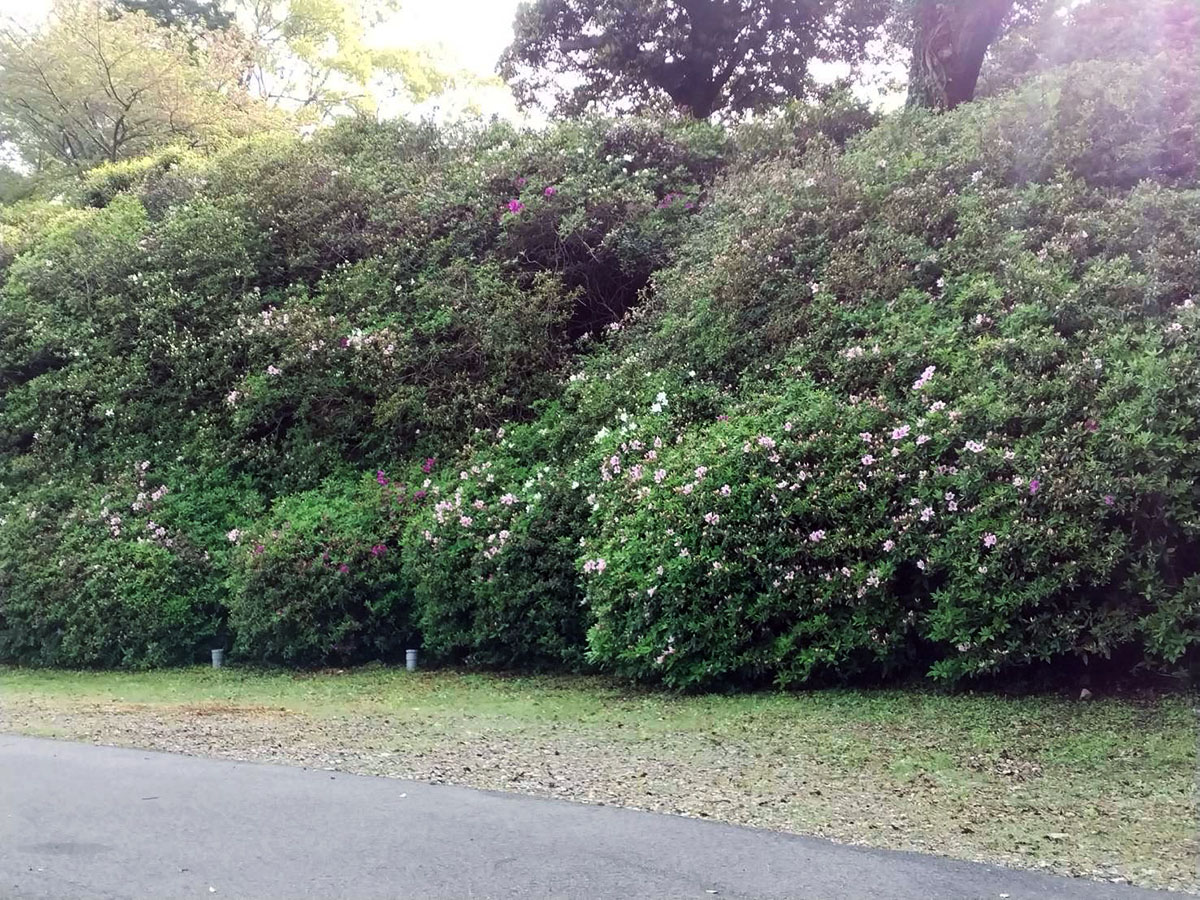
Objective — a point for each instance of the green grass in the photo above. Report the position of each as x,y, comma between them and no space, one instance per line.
971,775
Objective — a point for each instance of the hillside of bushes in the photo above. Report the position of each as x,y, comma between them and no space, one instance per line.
826,396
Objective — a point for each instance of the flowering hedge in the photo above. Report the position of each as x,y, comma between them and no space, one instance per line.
796,403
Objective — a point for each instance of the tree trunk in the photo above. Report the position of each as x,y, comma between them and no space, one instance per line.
951,39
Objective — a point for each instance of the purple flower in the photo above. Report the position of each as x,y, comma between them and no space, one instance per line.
419,495
1034,486
515,205
550,191
380,478
428,465
343,569
521,181
378,550
258,549
1109,499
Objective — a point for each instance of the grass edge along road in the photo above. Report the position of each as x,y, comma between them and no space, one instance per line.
1104,788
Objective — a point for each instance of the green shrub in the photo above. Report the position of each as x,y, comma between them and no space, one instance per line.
492,559
105,581
318,580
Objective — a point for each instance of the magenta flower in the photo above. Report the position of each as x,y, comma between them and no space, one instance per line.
419,495
428,465
521,181
258,549
515,205
343,569
1034,486
378,550
380,478
550,191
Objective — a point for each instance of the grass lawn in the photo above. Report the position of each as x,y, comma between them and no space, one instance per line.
1103,788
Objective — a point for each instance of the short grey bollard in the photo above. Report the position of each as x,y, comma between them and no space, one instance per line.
410,660
218,658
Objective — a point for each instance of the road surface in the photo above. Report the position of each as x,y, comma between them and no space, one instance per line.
78,821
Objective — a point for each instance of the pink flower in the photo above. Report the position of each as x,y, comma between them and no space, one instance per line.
899,434
550,191
989,540
274,370
868,460
865,435
711,518
380,478
1109,499
659,475
726,490
343,569
428,465
817,536
889,545
378,550
515,205
922,439
975,446
465,521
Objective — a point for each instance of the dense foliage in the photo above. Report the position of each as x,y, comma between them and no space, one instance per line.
828,396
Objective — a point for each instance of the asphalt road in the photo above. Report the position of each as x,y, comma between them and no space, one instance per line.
79,821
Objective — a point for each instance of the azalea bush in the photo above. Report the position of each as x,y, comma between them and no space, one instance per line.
492,558
318,581
105,578
826,395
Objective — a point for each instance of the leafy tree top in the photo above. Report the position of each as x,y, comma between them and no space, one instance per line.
703,56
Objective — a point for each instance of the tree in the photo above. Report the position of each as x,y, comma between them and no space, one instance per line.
313,57
86,88
186,15
950,40
703,56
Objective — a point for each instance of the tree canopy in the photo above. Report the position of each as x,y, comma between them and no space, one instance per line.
86,87
703,56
